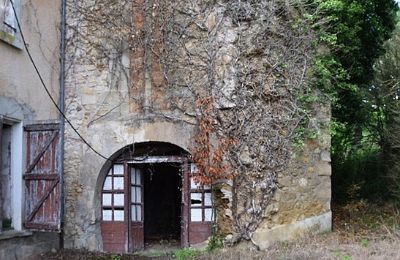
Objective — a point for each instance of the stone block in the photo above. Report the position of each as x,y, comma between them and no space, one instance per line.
265,237
324,169
326,156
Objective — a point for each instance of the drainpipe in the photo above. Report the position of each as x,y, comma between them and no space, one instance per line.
62,121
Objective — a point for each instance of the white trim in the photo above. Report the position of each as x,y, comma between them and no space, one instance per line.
156,159
16,174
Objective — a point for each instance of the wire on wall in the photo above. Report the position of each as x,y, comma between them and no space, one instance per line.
47,90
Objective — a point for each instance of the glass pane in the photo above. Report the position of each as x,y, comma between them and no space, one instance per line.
133,195
193,168
195,199
106,199
138,213
193,184
138,181
133,213
118,169
133,181
118,183
107,215
118,215
195,215
207,199
208,215
107,184
138,195
118,199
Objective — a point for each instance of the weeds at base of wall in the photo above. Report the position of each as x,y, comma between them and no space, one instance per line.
215,243
186,254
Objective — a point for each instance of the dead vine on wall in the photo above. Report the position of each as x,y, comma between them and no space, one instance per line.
236,66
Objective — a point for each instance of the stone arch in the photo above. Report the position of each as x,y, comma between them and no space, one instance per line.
137,150
107,165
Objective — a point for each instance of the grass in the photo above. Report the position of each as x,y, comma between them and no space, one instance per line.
361,231
186,254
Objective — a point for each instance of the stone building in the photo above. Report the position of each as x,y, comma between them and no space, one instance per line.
27,120
183,121
134,83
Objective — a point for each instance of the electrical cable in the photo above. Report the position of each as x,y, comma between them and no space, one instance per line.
47,90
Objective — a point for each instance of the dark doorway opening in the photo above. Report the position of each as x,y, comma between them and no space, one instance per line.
162,197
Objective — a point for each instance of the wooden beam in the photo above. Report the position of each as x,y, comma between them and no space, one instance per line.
156,159
1,139
38,226
185,207
1,162
51,177
42,127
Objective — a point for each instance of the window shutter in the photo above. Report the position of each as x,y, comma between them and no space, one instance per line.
9,17
42,177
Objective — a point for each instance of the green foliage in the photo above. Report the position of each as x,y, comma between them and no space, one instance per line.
342,256
186,254
359,176
354,32
364,242
116,257
216,242
7,223
351,38
385,94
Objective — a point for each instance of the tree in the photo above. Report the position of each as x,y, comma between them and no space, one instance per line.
355,33
386,93
361,28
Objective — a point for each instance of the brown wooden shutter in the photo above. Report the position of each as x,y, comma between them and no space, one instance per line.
42,177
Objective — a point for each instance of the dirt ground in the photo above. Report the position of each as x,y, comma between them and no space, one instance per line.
360,231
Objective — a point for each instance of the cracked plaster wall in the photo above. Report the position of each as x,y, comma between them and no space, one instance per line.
22,98
109,119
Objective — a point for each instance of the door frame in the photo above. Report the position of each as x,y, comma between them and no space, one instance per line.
143,160
186,174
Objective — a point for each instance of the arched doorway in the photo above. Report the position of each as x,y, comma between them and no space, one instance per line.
148,195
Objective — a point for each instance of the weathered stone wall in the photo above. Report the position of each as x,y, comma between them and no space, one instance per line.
132,82
27,245
301,203
21,93
23,101
111,102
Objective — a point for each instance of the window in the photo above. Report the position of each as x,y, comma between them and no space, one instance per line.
113,197
5,178
136,194
11,135
201,204
8,23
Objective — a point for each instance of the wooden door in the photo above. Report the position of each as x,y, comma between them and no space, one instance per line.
113,224
185,206
136,204
42,177
201,212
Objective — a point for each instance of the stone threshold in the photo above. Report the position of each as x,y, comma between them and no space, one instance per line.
9,234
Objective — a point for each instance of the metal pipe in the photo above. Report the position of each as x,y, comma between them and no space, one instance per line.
62,120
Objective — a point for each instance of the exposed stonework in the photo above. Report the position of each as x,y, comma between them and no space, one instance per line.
146,90
265,237
24,102
27,245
